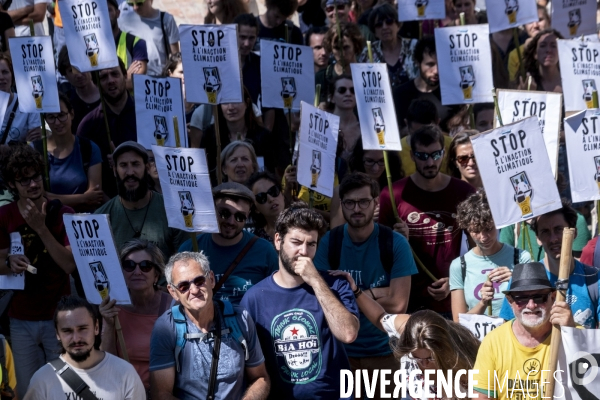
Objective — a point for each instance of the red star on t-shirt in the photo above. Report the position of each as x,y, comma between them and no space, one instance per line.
294,331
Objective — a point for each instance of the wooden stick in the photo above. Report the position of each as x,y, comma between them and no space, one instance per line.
471,116
461,18
595,99
489,307
498,115
566,260
218,138
420,30
518,48
119,333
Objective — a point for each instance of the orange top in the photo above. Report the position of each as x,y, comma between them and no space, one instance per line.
57,17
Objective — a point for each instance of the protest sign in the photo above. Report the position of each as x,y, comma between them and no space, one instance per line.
516,172
374,100
211,62
34,74
579,66
574,18
157,101
479,325
14,281
578,369
318,145
516,105
510,13
185,182
88,34
412,10
96,257
287,74
582,136
465,60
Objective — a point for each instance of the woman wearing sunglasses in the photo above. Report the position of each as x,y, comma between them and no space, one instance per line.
143,265
461,159
342,104
391,49
269,202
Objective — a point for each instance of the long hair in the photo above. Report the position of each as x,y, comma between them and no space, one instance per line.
531,64
258,218
250,119
461,138
232,9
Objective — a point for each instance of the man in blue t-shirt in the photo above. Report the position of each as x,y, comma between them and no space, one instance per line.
302,316
258,261
359,255
549,230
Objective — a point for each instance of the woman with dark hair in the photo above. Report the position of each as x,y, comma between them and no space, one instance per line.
224,11
269,202
342,103
472,17
461,159
541,62
395,51
532,29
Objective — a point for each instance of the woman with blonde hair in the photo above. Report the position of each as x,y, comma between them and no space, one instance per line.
238,162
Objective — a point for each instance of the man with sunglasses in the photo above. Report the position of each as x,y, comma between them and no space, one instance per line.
359,252
427,201
32,232
239,258
211,345
520,349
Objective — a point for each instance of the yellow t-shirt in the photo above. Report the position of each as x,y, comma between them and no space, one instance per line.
500,352
321,202
513,63
408,165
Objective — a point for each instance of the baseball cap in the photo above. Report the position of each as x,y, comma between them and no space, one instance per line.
233,189
130,146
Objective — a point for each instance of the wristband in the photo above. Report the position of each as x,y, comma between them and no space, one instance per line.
357,292
371,290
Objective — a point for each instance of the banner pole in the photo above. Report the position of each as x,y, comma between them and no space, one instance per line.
218,138
469,106
420,30
519,55
341,44
119,330
461,17
497,107
311,193
103,103
562,284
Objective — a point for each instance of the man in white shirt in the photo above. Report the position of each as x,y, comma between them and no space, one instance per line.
22,11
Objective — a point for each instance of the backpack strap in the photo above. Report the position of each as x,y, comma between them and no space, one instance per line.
386,248
181,331
336,237
463,269
71,378
164,33
516,256
235,263
233,325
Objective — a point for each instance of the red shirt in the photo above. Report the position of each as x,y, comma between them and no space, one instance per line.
587,254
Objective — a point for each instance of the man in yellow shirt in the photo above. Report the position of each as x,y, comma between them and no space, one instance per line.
512,359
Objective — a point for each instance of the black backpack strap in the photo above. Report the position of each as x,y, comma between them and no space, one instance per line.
516,257
336,237
463,269
72,379
164,33
539,254
85,148
386,248
9,123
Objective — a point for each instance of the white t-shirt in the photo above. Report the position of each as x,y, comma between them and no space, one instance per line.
23,30
22,123
113,378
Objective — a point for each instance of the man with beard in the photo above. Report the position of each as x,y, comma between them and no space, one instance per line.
239,258
518,351
378,259
138,212
584,303
302,316
426,202
105,376
120,114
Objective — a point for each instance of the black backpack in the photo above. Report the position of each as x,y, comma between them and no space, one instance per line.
386,247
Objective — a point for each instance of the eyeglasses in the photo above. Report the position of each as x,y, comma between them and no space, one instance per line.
524,300
27,181
51,118
339,7
145,266
369,162
184,286
362,203
423,360
387,21
238,216
435,155
343,89
261,198
464,160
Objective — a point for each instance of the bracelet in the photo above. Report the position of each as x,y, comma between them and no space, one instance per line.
357,292
371,290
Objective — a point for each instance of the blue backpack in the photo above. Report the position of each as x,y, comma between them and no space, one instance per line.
231,326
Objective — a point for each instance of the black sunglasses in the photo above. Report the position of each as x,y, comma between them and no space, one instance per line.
537,299
464,160
145,266
435,155
184,286
238,216
388,21
342,89
261,198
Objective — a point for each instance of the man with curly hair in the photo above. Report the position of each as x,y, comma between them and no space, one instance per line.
32,233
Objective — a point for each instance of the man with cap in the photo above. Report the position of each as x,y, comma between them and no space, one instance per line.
138,212
518,351
238,258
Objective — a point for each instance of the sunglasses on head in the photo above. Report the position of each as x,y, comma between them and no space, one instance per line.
464,160
184,286
145,266
524,300
261,198
387,21
238,216
435,155
343,89
339,7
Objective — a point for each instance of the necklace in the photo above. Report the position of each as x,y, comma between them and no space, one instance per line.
138,232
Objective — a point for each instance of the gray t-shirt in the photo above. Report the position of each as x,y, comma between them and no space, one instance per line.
22,123
150,30
196,358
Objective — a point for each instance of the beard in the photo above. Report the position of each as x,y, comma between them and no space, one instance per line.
368,218
534,323
287,262
114,100
235,233
134,194
430,173
80,356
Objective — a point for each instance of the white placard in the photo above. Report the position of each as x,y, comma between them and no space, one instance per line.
96,257
547,106
14,281
376,112
412,10
35,76
287,74
157,101
318,145
185,182
582,136
88,34
479,325
516,172
465,60
579,66
211,62
578,369
4,100
574,18
510,13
